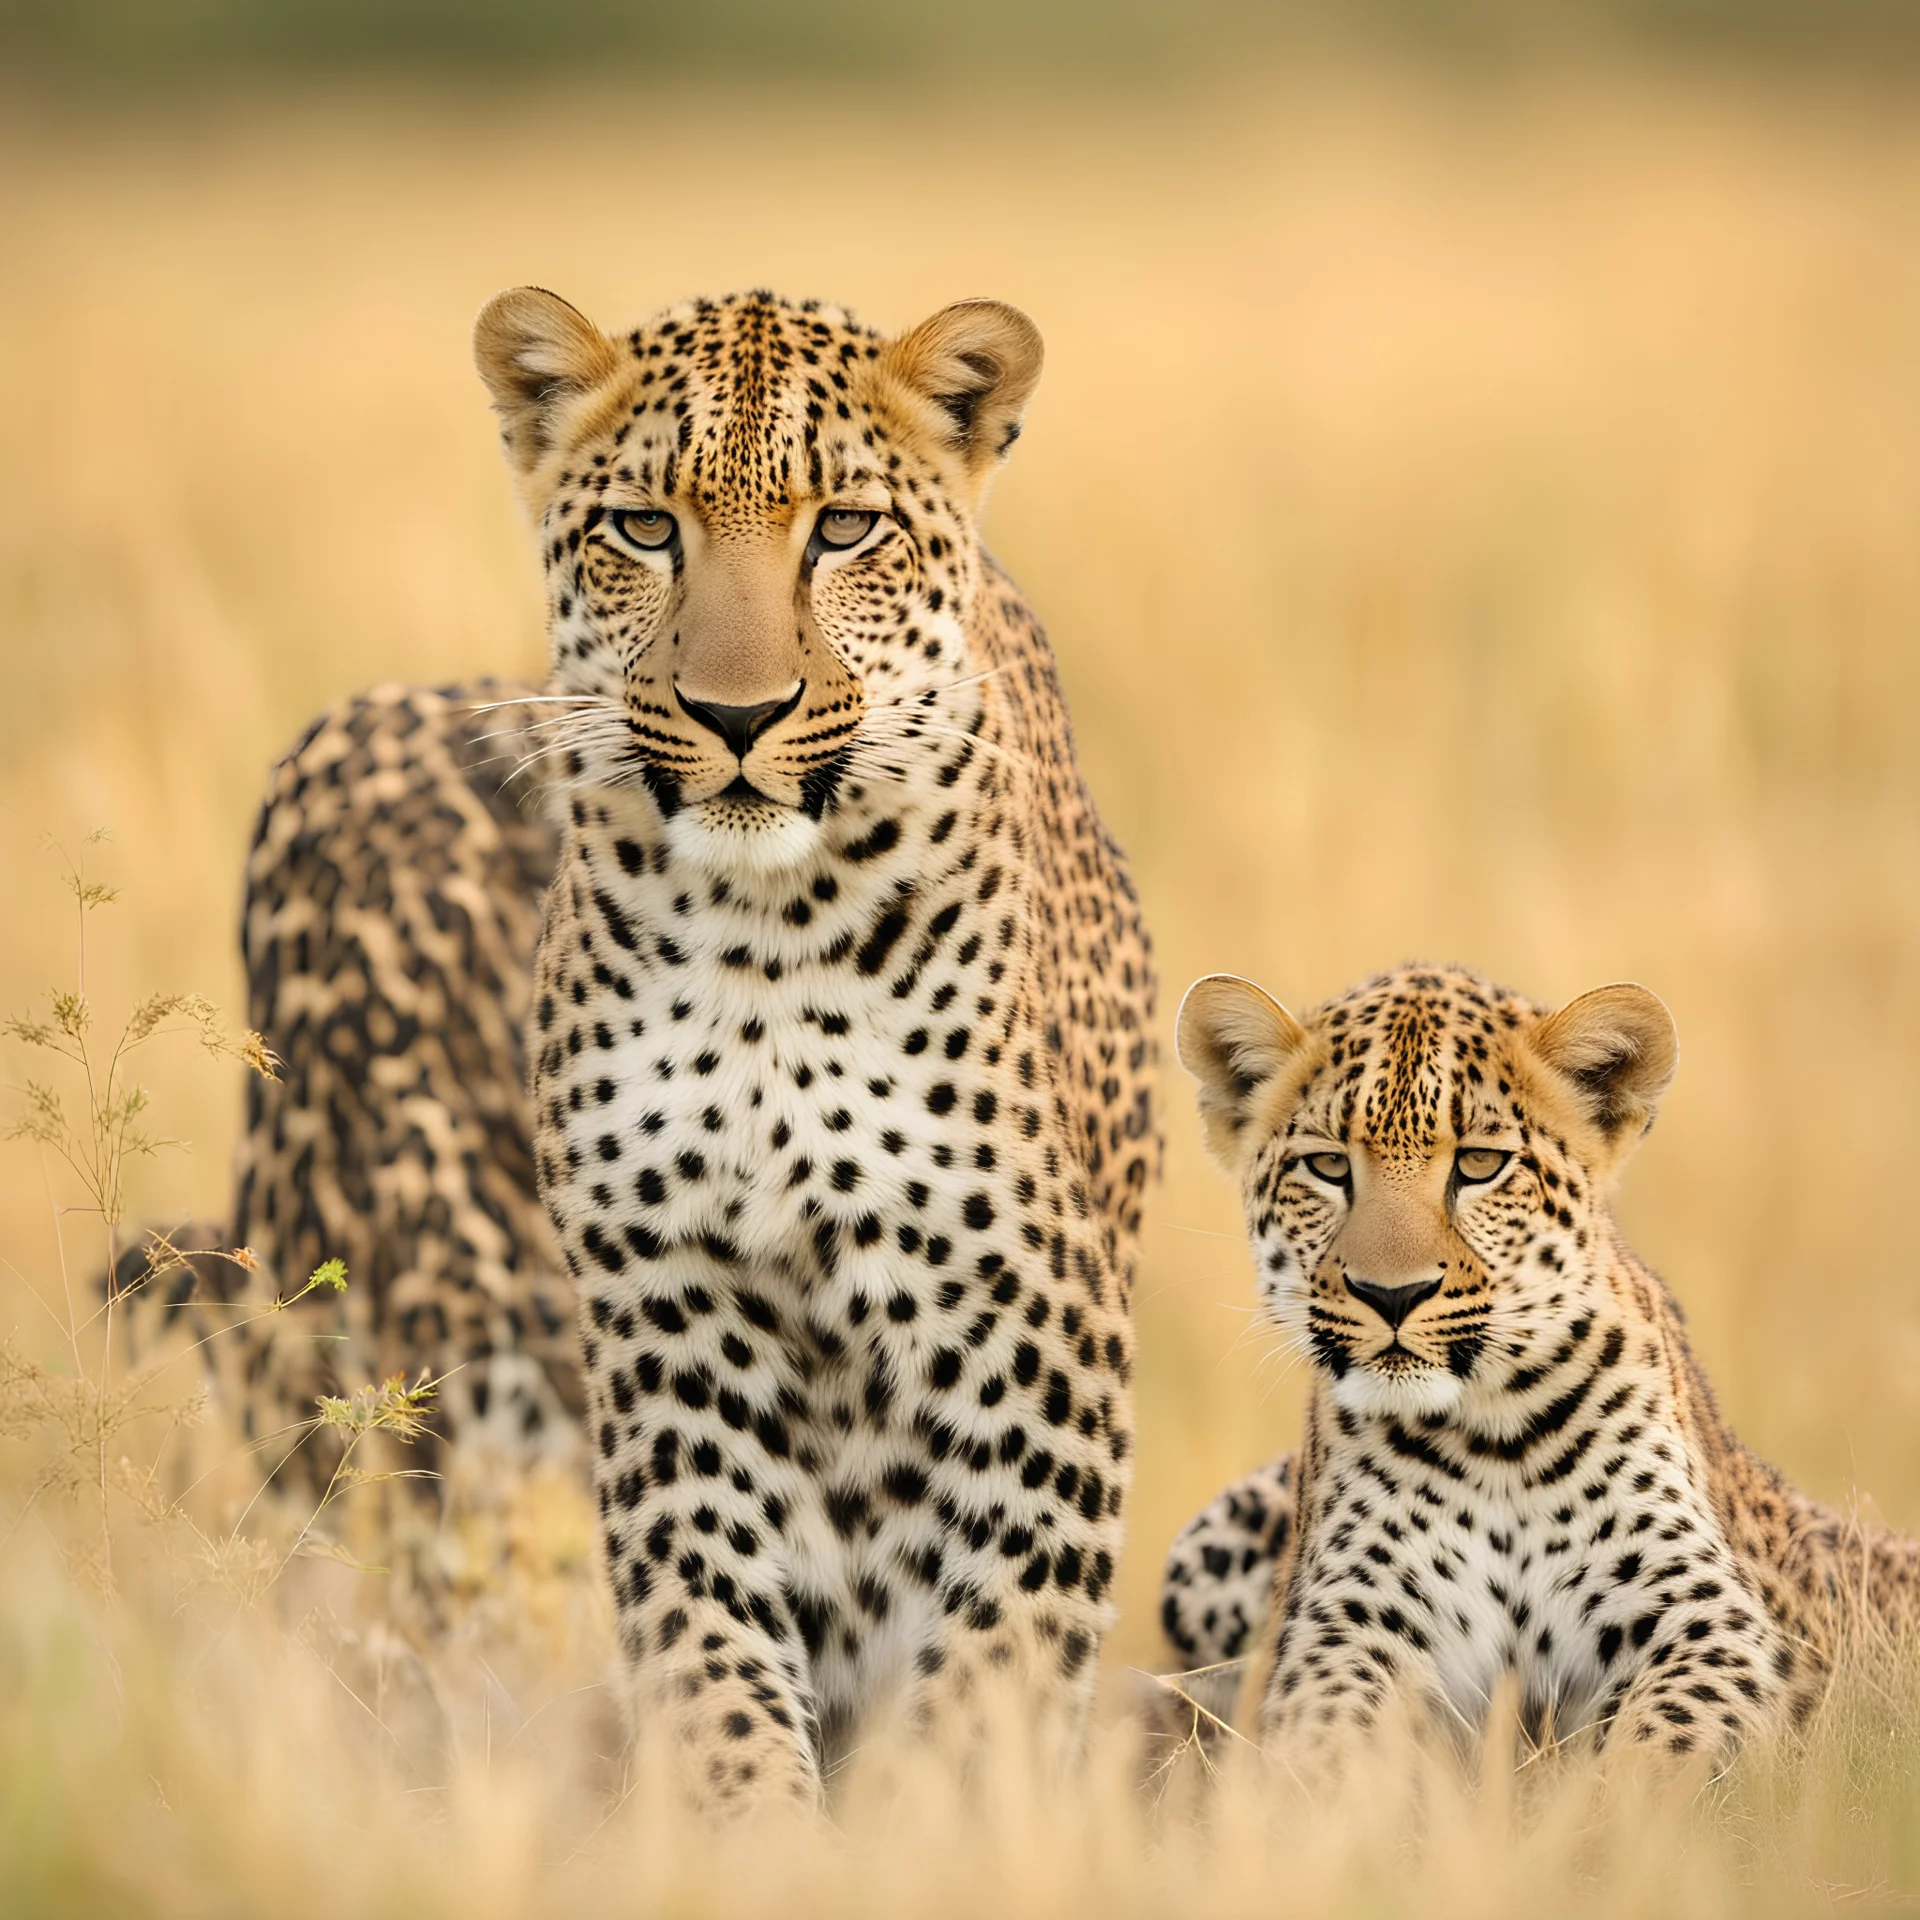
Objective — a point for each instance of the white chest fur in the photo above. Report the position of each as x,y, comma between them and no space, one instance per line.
825,1056
1563,1566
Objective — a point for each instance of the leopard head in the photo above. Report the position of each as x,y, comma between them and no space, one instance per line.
757,520
1427,1165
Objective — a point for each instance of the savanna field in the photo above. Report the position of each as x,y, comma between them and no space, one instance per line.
1476,518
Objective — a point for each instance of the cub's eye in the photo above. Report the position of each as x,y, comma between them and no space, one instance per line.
1475,1166
646,527
841,527
1330,1167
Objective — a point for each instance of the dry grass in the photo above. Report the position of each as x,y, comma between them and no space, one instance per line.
1474,523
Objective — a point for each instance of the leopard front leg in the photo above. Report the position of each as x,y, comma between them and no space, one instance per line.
1216,1591
1024,1519
1712,1676
1336,1681
690,1406
1352,1633
1013,1661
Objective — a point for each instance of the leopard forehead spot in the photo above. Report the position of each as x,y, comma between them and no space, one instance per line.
736,408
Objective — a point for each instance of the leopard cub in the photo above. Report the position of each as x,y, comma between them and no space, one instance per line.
1513,1463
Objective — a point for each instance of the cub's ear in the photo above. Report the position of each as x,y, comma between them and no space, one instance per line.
1234,1039
977,362
537,355
1618,1047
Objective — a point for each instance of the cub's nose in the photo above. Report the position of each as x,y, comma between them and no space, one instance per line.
740,727
1392,1304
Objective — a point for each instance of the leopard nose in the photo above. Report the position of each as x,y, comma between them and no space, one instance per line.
740,727
1392,1304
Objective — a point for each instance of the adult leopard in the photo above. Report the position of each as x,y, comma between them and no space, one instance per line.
1513,1461
843,1065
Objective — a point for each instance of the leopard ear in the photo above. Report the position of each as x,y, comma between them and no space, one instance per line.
537,355
1618,1047
976,363
1235,1040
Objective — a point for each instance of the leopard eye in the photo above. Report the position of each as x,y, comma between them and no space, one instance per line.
1333,1168
1475,1166
842,527
646,527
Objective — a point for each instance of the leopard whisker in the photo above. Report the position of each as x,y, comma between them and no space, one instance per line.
595,737
915,728
539,700
926,696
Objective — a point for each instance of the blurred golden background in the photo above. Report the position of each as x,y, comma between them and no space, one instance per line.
1474,495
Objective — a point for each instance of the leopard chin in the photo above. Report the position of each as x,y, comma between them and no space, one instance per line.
728,836
1420,1392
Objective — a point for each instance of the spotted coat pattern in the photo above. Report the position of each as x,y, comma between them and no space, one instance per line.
393,893
842,1054
1528,1473
1219,1570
